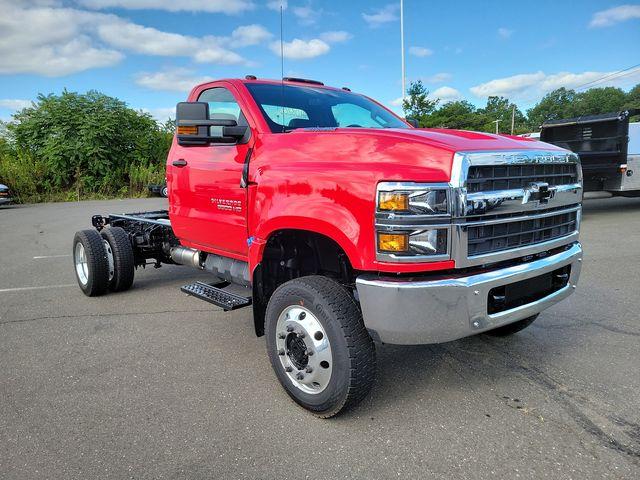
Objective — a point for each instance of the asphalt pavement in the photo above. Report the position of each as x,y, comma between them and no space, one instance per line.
153,384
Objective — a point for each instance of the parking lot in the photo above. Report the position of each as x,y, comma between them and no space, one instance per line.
151,383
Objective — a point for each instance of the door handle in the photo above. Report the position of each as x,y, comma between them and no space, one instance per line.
180,163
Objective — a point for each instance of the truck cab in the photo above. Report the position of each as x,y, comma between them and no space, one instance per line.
343,226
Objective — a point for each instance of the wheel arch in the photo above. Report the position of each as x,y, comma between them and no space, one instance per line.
289,253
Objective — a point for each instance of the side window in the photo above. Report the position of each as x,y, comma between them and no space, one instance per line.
222,106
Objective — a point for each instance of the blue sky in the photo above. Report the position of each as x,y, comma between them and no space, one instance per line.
150,52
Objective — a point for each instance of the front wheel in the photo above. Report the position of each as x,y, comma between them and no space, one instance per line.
318,345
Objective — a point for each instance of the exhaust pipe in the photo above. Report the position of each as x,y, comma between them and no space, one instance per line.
186,256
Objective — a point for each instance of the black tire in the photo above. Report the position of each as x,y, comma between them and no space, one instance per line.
123,260
94,279
511,328
352,350
164,192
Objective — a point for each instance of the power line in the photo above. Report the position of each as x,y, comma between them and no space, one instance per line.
597,80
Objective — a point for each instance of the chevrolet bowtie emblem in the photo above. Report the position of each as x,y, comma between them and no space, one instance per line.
537,191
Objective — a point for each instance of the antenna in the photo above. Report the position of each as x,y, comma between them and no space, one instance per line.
404,88
282,60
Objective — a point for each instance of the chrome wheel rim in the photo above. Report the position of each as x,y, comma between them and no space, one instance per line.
112,268
304,350
80,260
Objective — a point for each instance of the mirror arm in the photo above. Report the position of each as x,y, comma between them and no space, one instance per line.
207,123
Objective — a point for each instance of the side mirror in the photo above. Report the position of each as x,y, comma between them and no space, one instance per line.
413,122
193,126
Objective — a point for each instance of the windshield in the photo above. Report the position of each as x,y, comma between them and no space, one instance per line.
287,107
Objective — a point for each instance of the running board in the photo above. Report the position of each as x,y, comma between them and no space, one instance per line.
217,296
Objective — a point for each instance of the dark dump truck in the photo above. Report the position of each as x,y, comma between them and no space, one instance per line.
608,146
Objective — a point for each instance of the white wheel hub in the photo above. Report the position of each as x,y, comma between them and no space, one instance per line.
112,268
80,260
304,350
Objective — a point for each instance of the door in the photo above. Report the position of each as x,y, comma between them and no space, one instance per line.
208,207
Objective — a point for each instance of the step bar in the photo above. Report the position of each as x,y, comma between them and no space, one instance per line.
216,295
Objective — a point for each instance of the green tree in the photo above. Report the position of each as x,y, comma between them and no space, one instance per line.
632,101
600,100
500,108
417,104
559,103
460,115
89,142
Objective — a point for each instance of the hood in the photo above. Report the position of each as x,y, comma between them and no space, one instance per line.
386,154
455,140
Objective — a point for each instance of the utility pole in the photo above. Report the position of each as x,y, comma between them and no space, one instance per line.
497,122
513,118
404,88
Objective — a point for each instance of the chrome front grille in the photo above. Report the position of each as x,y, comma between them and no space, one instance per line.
513,204
487,178
496,237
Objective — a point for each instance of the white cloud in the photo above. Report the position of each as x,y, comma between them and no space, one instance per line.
161,114
172,80
150,41
51,41
212,6
300,49
14,103
275,5
396,102
250,35
381,16
420,51
438,78
611,16
505,32
446,94
61,41
336,36
306,15
531,86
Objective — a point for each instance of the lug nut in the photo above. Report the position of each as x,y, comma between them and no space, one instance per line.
308,369
289,328
302,316
281,351
308,353
288,369
300,376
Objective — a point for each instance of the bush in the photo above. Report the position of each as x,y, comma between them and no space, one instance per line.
82,146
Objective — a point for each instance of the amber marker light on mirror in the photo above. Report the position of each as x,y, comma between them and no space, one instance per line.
187,130
393,201
393,242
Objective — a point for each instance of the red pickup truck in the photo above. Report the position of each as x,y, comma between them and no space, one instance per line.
343,225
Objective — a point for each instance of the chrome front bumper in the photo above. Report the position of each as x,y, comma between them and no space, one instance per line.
441,309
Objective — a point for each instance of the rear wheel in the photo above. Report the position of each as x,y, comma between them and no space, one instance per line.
511,328
164,192
119,258
318,346
90,262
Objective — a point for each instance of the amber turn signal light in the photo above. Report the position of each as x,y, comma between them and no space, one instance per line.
187,130
393,242
393,201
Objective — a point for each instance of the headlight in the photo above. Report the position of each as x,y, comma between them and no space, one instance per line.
413,222
416,199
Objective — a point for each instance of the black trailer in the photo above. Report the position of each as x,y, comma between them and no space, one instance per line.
603,144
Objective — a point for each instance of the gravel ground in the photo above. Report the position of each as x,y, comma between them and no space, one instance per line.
151,383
